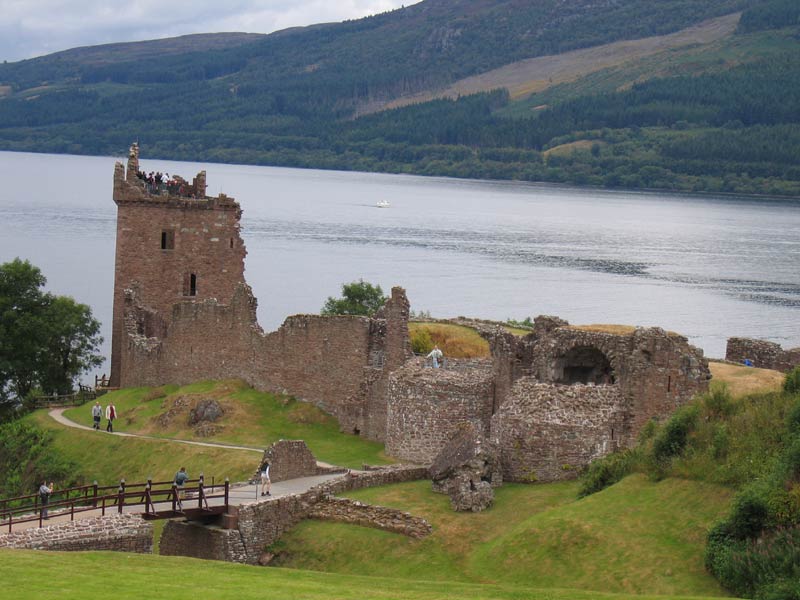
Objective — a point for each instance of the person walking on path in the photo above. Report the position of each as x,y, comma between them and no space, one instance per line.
435,356
181,477
44,496
266,484
97,414
111,414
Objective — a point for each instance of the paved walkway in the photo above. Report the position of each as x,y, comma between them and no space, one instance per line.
239,493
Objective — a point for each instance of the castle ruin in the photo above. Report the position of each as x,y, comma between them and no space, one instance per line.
550,401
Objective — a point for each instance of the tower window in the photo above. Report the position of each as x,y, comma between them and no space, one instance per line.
190,284
168,239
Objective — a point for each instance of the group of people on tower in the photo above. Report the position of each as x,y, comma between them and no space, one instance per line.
157,182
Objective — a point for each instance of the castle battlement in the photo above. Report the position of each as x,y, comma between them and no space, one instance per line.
132,186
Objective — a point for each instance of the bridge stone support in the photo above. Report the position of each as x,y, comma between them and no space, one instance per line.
260,524
123,533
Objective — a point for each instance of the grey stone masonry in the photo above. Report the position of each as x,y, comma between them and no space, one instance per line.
546,432
762,354
290,459
123,533
344,510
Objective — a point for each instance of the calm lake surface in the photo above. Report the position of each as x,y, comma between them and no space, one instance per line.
707,267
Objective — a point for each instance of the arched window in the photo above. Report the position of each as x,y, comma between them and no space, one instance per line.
584,364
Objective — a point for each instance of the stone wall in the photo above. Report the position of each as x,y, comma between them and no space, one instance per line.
122,533
352,512
427,405
291,459
547,432
338,363
762,354
195,540
260,524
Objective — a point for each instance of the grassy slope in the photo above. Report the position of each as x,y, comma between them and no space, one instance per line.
108,458
746,380
637,537
252,418
68,576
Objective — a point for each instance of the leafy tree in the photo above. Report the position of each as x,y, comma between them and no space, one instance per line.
46,341
358,298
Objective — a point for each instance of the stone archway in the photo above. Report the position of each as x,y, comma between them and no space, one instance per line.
583,364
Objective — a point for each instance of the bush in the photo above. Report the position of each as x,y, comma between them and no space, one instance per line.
27,458
766,567
607,471
791,383
671,440
421,342
750,513
718,402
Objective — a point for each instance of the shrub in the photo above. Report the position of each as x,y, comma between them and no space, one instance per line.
766,567
718,402
607,471
421,342
672,438
750,513
791,383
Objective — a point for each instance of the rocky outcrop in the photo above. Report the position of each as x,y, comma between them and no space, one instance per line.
467,469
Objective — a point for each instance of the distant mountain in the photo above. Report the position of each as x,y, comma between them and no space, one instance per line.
574,103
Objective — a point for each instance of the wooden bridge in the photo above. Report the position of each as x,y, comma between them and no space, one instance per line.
159,500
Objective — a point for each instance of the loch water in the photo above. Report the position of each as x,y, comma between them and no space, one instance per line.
707,267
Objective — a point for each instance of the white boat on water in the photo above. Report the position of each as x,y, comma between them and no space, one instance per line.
383,204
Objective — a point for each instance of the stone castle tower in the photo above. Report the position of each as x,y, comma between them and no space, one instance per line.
174,244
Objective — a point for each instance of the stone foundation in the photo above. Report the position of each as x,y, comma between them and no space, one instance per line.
352,512
122,533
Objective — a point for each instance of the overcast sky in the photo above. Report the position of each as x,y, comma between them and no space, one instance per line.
30,28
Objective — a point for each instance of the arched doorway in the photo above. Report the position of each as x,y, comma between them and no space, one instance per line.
583,364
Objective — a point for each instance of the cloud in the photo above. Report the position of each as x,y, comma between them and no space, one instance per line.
32,28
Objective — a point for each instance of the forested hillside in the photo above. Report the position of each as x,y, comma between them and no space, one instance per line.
716,117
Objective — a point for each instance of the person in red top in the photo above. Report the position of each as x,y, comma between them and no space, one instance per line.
111,414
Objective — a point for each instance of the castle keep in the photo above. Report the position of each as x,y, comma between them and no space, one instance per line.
551,401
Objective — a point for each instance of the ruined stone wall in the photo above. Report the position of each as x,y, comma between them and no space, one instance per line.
762,354
122,533
546,432
337,363
291,459
262,523
427,405
353,512
655,371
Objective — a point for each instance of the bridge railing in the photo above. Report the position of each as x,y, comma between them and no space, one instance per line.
193,495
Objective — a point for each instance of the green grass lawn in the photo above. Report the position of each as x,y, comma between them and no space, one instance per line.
66,576
251,418
635,537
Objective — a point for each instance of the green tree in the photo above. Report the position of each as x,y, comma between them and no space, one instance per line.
46,341
358,298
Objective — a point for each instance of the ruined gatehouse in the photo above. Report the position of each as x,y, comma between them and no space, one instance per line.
550,401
